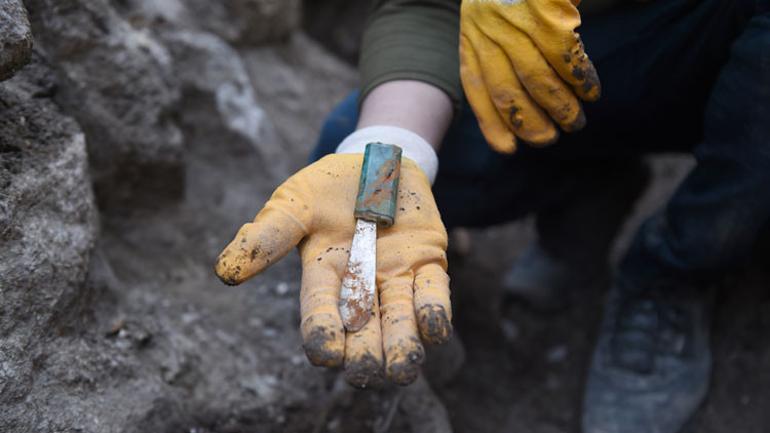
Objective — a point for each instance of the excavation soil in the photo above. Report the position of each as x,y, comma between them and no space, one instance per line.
524,370
207,358
112,319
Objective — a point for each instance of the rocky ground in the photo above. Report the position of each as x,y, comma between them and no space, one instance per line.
136,136
525,370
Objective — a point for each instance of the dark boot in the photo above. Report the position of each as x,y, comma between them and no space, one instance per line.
575,236
543,281
652,362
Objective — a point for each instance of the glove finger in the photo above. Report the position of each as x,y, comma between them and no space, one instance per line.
403,350
277,228
432,303
523,116
498,135
321,326
586,84
363,353
548,90
563,48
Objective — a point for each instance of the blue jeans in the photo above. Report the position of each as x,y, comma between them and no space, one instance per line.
677,76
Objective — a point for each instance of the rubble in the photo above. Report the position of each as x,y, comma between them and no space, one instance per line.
117,82
48,227
15,38
239,22
129,150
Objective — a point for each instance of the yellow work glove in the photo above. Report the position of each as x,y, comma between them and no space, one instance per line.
314,209
523,67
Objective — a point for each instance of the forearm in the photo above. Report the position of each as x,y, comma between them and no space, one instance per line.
414,40
419,107
411,114
410,85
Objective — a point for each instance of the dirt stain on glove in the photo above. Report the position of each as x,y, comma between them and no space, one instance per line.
405,369
320,350
434,323
365,372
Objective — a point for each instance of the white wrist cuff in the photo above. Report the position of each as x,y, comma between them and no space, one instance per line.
414,147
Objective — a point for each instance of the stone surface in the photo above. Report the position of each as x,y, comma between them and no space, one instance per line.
247,22
293,81
15,37
116,323
48,226
219,99
240,22
116,81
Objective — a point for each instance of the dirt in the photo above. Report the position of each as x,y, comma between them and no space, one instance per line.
132,331
523,370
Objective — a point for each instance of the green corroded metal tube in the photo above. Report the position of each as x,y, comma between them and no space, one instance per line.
378,186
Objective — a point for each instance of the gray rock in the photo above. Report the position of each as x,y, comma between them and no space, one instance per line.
48,225
247,22
15,38
286,78
240,22
423,409
219,99
116,81
125,328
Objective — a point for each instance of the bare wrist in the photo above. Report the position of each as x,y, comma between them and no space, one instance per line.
412,105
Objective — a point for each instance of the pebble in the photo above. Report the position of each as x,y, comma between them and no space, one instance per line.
510,330
557,354
190,317
282,289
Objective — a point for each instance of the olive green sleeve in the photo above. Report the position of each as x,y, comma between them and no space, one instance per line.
413,40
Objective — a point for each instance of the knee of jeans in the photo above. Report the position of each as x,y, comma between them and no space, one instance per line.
343,119
698,246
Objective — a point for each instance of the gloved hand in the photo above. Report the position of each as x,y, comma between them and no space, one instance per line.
523,67
314,209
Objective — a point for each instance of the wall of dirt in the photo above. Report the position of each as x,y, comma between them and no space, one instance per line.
135,137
